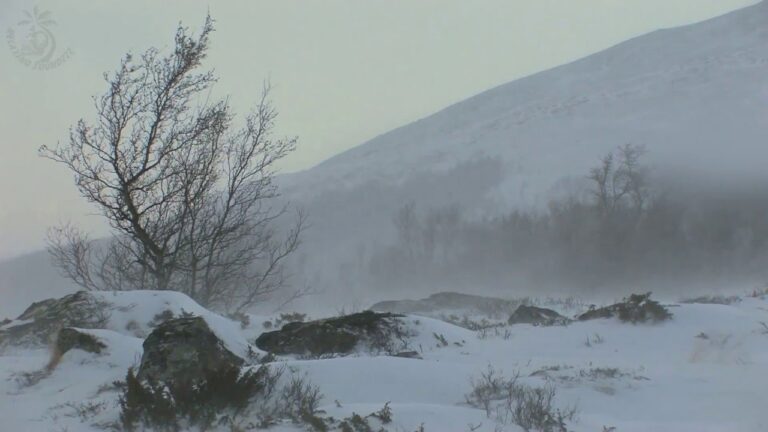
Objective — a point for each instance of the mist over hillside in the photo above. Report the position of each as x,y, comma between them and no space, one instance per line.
693,96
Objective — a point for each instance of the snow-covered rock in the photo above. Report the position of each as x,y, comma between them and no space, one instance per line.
182,348
41,322
525,314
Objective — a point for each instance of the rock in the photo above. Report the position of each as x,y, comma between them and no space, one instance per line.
41,322
449,302
334,335
181,348
636,308
72,338
537,316
409,354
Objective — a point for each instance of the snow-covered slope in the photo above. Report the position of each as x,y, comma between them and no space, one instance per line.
704,370
701,88
695,96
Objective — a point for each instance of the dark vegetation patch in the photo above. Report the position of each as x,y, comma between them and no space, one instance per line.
637,308
377,332
537,316
216,396
70,338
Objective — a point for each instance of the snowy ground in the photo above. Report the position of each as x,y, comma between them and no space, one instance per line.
702,371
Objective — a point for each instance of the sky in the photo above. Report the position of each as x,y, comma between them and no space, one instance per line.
342,71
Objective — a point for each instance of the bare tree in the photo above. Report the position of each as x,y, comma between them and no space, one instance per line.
602,176
635,175
406,223
620,181
186,194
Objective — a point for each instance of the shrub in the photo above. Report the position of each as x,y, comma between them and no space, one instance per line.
384,415
635,309
300,399
508,401
355,423
532,408
640,308
358,423
490,386
217,396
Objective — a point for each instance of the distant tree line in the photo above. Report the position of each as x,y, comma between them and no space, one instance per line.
625,230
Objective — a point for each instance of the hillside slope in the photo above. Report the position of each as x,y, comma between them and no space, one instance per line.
695,96
699,88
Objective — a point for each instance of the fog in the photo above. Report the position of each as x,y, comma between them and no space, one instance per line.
691,236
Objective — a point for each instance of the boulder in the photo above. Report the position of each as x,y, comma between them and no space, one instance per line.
440,303
409,355
72,338
537,316
636,308
181,348
41,322
340,335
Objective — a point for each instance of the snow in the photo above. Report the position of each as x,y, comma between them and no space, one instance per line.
132,312
701,371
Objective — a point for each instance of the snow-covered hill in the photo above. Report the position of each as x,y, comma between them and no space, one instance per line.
696,92
695,96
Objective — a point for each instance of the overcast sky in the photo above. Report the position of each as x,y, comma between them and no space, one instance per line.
343,71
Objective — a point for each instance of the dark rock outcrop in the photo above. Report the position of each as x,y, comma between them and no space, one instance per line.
537,316
409,355
636,308
376,331
41,322
449,301
181,348
72,338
